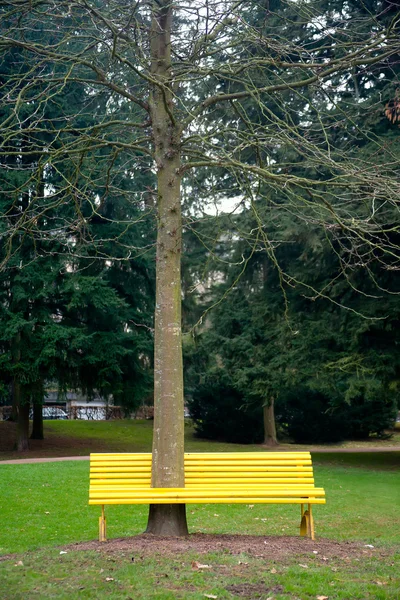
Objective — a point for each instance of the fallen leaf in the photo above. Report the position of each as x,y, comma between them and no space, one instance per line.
304,566
197,565
380,582
19,564
273,571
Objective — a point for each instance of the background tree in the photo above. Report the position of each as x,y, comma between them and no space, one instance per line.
72,313
332,373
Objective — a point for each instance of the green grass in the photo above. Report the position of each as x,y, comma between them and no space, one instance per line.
381,461
71,438
92,575
137,435
43,507
45,504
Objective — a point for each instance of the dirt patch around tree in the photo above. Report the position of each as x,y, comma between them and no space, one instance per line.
253,590
266,547
54,445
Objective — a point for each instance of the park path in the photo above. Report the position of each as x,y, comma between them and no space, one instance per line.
23,461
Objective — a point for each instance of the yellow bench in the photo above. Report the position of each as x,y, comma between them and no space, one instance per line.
210,478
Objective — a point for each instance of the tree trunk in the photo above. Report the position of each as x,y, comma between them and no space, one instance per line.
168,436
22,444
270,438
37,426
20,407
14,408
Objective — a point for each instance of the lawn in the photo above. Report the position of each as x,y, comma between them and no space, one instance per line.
71,438
128,575
45,521
43,508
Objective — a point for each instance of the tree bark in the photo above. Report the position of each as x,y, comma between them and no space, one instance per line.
20,407
37,425
168,436
14,408
270,438
22,444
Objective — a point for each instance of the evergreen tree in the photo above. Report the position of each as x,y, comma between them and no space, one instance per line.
74,311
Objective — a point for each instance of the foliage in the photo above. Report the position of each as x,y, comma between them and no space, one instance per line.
69,316
219,413
331,371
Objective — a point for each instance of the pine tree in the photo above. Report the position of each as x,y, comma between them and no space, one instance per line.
75,311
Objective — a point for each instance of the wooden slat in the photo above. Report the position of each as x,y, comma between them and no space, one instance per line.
208,482
209,457
205,464
197,471
255,500
205,492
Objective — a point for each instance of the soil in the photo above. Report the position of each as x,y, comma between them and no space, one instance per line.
53,445
253,590
268,547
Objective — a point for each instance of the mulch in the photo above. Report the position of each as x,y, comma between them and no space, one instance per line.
267,547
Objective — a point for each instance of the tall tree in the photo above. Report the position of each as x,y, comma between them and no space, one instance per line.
175,73
72,313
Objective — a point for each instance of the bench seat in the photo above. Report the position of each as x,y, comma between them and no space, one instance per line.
212,478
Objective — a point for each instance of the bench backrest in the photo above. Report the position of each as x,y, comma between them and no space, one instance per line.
208,470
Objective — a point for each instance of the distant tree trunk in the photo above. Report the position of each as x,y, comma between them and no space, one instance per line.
37,425
14,409
168,434
22,444
20,407
270,438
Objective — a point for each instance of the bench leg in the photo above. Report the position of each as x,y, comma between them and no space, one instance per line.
102,526
307,522
311,518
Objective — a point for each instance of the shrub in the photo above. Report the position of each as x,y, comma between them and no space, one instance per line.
309,417
219,412
370,408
